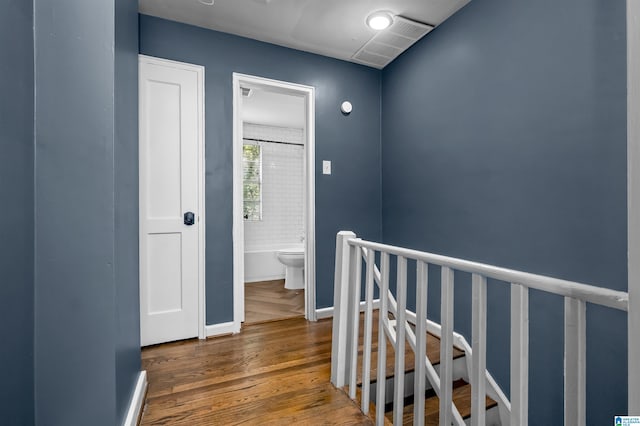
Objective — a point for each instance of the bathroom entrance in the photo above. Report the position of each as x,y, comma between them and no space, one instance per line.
274,261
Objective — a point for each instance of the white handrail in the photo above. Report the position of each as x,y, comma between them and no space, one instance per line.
588,293
350,253
433,328
410,318
390,327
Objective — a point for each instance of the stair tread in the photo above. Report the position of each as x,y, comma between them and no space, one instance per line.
461,398
433,353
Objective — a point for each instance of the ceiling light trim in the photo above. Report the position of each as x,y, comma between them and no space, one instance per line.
379,20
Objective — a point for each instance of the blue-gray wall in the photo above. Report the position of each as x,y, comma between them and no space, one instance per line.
504,141
127,293
348,199
16,214
85,193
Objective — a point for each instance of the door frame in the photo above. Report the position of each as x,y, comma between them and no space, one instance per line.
201,216
309,205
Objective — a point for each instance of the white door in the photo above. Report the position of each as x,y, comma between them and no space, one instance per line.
170,193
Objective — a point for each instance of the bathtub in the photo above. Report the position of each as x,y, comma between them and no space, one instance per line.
262,265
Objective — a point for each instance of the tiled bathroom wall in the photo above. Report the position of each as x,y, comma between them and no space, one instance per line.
282,189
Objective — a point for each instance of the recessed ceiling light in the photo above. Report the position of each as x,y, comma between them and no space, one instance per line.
379,20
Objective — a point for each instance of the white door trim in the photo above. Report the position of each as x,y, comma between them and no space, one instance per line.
308,93
633,201
200,71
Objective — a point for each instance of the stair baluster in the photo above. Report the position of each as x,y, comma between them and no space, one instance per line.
412,328
479,345
368,319
422,279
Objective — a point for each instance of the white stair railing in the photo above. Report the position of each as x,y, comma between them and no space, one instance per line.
350,252
433,328
423,370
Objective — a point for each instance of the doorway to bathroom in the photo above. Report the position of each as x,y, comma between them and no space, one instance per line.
273,200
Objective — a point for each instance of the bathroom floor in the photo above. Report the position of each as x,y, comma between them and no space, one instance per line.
269,301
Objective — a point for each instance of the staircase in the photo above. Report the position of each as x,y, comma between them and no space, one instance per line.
461,399
403,368
461,387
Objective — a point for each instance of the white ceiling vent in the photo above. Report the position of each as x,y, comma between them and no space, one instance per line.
387,45
246,92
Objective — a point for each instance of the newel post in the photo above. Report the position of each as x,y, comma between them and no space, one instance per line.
339,343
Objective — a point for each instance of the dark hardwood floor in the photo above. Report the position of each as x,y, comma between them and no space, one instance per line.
270,301
275,373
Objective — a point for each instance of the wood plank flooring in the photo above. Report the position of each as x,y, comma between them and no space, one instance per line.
271,373
270,301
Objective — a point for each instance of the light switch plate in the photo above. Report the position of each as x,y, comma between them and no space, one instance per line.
326,167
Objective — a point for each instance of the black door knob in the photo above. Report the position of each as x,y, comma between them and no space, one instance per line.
189,218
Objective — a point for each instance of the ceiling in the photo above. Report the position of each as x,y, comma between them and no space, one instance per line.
334,28
273,109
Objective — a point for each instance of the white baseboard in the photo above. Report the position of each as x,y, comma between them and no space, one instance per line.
222,328
323,313
328,312
137,400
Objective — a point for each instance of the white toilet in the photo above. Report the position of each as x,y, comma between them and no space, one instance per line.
293,260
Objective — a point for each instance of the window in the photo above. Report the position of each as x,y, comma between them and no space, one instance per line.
252,181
